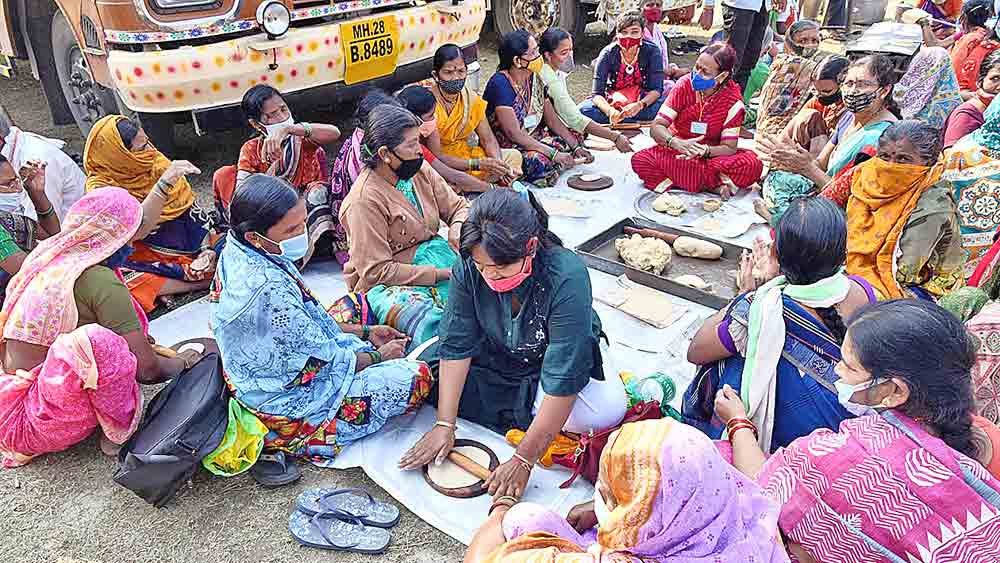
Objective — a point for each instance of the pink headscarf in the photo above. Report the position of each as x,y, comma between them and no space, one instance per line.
40,304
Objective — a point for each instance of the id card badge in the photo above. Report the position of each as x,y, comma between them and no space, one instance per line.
699,128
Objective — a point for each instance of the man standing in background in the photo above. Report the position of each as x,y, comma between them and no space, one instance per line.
744,22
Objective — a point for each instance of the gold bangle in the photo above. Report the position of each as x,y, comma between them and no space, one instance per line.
445,424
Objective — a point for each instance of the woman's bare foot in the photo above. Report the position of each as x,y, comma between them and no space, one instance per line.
108,447
761,208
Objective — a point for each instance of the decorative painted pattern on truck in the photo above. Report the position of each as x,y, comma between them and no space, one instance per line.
207,76
131,37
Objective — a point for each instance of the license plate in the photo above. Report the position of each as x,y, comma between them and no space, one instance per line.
371,48
6,66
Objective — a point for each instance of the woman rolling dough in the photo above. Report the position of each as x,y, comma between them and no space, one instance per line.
520,341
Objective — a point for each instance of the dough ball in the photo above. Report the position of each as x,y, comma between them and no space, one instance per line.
647,254
590,177
711,205
694,248
669,204
692,281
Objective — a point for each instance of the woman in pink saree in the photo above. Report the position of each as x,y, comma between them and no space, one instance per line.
664,494
907,480
74,342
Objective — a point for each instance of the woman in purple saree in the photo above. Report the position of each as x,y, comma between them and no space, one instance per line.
664,494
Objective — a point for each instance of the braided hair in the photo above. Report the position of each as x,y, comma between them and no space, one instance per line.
811,243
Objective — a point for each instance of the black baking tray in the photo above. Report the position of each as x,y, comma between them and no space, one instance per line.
599,253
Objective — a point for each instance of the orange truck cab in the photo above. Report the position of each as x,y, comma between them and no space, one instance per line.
180,60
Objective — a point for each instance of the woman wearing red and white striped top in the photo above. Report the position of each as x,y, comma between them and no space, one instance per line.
697,130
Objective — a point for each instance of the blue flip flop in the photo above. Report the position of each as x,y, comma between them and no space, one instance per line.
325,531
354,503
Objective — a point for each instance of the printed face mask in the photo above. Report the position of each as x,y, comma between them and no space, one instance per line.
857,103
653,14
629,43
452,86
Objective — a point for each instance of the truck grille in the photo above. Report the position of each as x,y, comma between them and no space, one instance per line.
90,36
299,4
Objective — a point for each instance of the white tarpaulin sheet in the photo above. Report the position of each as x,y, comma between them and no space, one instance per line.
636,347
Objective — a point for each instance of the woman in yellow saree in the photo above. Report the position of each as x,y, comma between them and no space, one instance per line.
465,140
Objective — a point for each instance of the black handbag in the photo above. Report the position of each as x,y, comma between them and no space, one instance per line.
184,422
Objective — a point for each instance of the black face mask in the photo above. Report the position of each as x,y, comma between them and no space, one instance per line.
452,86
118,259
831,99
408,168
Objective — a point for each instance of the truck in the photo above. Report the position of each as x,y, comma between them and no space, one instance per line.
173,61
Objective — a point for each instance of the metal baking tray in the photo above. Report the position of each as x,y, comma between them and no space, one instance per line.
599,253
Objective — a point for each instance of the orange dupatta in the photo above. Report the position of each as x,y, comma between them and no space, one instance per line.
883,196
108,162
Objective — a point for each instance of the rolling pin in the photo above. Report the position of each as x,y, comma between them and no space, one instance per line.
628,126
669,238
469,465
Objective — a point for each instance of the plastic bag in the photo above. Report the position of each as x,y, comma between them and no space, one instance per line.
241,445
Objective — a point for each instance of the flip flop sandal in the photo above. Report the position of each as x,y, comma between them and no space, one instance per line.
275,470
354,503
323,531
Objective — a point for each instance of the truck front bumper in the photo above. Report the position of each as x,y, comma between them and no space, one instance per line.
217,75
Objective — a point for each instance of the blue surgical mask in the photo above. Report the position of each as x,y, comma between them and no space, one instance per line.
293,248
700,83
846,391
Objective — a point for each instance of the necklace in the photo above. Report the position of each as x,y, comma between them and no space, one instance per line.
630,65
449,104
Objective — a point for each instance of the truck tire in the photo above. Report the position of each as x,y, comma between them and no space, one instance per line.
536,16
88,100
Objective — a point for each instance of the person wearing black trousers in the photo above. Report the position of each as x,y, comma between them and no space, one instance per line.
744,22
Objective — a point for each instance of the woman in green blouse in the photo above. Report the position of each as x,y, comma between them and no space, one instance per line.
556,47
520,341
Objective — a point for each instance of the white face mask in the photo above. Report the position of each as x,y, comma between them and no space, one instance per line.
601,510
275,127
12,202
846,391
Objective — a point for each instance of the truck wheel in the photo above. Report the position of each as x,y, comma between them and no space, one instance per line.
535,16
88,100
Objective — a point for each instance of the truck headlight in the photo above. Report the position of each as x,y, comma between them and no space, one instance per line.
274,18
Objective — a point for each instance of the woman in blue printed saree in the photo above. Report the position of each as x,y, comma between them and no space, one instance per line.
790,329
314,383
399,264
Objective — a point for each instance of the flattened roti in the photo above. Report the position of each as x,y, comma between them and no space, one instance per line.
451,476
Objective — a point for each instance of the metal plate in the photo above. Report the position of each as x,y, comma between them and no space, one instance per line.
599,253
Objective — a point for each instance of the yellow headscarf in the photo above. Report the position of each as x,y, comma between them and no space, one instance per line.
883,196
108,162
